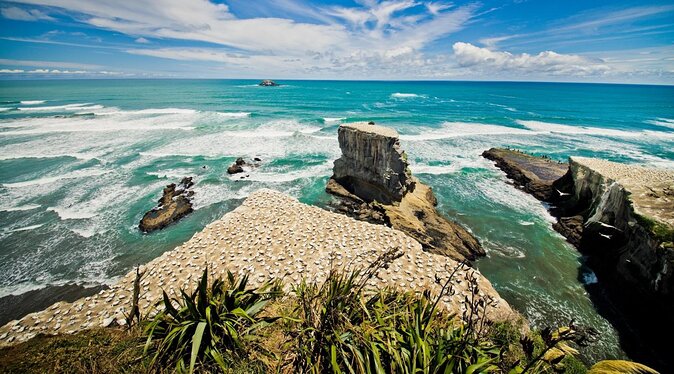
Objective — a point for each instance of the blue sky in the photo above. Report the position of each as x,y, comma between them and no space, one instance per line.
533,40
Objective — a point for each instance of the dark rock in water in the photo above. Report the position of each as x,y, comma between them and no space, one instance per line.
234,168
175,203
268,83
237,166
257,159
17,306
571,228
373,183
535,175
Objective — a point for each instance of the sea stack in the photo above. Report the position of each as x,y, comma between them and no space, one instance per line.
268,83
175,203
373,183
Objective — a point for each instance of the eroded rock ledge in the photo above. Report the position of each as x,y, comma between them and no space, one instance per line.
270,236
374,183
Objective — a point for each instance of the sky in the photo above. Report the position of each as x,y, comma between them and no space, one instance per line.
523,40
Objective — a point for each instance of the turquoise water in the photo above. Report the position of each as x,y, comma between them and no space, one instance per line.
81,161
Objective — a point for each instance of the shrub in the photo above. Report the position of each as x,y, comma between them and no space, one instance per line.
344,328
213,325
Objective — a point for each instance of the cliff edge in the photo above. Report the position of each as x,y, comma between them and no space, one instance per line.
373,182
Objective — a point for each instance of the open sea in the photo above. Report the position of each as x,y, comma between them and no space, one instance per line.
82,160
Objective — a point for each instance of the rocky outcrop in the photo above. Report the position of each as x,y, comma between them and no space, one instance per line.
175,203
535,175
627,221
621,217
372,166
373,183
268,83
237,166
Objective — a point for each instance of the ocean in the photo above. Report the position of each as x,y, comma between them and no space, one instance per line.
82,160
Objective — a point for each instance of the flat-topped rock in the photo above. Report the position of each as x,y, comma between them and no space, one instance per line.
270,236
651,190
373,182
372,165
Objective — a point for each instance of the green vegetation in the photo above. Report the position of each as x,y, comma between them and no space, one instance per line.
662,232
214,325
338,326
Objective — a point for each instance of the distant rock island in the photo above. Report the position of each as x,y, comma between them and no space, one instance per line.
373,183
175,203
268,83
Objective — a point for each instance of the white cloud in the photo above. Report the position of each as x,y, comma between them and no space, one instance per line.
548,62
142,40
50,64
19,14
340,39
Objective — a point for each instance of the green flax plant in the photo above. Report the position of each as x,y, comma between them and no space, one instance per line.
213,326
344,328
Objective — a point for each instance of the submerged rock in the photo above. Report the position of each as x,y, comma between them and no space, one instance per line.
374,183
268,83
175,203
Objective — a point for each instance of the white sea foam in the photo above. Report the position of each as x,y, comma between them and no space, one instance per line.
39,154
20,208
333,119
433,169
525,223
46,180
34,126
285,176
32,102
55,108
590,278
400,95
163,111
555,128
5,109
664,122
462,129
65,213
233,114
26,228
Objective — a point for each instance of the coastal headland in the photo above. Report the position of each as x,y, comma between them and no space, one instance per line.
621,218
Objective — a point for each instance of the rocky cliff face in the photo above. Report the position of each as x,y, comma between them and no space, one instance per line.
617,233
372,166
374,184
622,218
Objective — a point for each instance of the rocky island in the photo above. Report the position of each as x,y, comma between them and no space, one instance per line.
373,182
175,203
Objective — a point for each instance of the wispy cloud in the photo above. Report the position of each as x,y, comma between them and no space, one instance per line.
587,24
49,64
19,14
548,62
